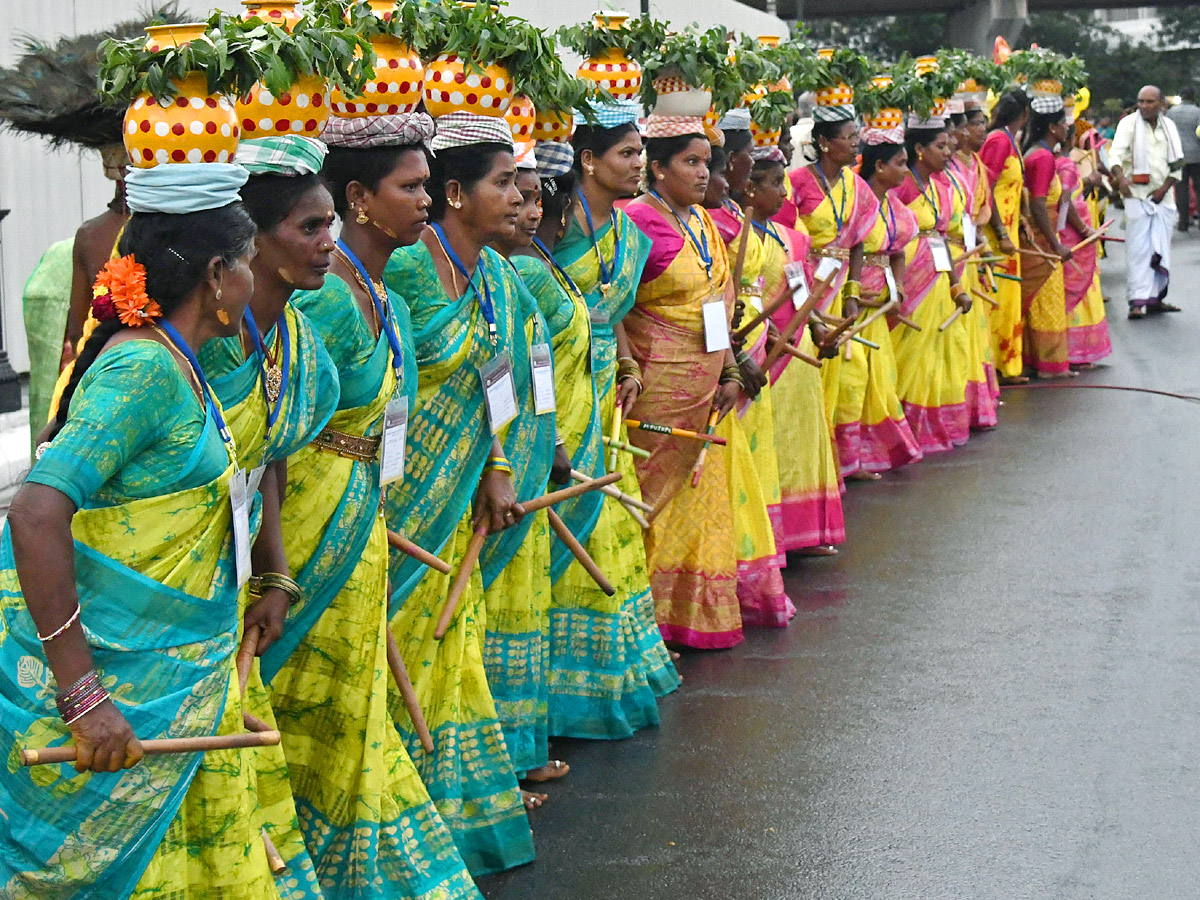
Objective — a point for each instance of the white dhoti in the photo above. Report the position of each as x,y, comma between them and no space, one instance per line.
1148,250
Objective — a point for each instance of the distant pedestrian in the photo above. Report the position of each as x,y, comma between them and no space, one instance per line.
1147,144
1186,116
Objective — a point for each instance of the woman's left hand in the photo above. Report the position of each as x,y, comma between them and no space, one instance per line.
754,377
268,612
628,390
726,397
496,503
560,469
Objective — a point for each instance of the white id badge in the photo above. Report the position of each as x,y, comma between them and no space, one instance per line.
716,326
499,391
828,267
238,499
1062,214
890,277
541,363
597,316
254,480
798,282
395,439
970,232
941,254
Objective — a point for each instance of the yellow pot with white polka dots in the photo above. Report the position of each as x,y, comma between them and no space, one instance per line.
453,86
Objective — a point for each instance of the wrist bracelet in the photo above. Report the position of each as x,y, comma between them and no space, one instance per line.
80,698
498,464
47,638
852,289
278,581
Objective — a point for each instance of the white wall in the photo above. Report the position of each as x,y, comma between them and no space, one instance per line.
51,193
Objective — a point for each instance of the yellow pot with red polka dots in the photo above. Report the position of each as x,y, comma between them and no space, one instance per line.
764,138
276,12
303,110
613,71
521,117
394,88
553,125
194,127
451,86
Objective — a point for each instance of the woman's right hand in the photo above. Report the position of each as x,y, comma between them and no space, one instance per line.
104,742
628,391
496,503
1006,246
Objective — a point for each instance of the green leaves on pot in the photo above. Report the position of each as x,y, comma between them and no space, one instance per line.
637,38
1037,64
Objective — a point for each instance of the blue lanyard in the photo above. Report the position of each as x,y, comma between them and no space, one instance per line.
700,245
607,272
261,352
957,186
889,227
384,311
182,346
768,230
566,280
839,216
485,296
932,201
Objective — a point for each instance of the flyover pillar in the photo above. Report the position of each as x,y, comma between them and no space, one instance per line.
976,26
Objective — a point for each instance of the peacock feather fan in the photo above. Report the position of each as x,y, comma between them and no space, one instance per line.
52,90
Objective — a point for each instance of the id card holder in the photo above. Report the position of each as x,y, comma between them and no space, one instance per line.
1062,214
716,326
395,439
941,254
970,233
499,390
890,277
798,283
254,479
239,501
597,316
541,363
828,267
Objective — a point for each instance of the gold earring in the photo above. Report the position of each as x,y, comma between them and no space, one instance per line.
362,218
222,316
589,168
456,203
218,294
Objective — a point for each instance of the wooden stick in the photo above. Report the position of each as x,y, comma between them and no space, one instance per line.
578,551
674,432
870,320
1007,277
985,298
420,554
274,858
254,723
768,310
907,322
958,311
796,353
1029,251
618,446
407,691
1096,235
698,468
245,655
831,339
618,413
859,339
593,484
1112,240
461,580
798,320
48,755
615,493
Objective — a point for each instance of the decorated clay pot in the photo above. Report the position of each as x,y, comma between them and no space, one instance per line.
613,71
879,82
764,138
840,94
1046,86
769,40
301,110
194,127
450,86
678,98
394,88
521,117
276,12
886,118
938,108
551,125
160,37
926,64
757,93
825,53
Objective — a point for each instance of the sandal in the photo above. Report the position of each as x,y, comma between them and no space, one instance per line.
1137,312
556,768
1164,308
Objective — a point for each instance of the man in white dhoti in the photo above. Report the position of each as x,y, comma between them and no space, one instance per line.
1147,147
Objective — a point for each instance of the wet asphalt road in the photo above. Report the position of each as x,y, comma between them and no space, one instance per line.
990,693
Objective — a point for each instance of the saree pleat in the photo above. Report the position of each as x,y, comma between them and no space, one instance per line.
689,548
1006,320
625,651
470,775
811,501
1087,325
931,364
1043,294
597,686
159,600
368,822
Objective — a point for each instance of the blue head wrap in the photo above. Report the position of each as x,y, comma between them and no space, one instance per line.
180,188
611,115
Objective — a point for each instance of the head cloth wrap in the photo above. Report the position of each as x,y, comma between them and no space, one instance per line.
674,126
771,153
735,120
461,129
843,113
280,155
1046,103
916,120
523,151
179,188
611,115
398,130
554,158
875,136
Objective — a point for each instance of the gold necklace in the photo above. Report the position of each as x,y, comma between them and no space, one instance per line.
273,377
380,290
453,268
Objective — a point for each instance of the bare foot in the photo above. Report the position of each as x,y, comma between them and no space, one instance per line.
676,656
820,550
532,800
863,476
556,768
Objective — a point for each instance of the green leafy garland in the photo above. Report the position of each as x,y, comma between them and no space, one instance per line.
234,54
752,65
908,91
772,111
846,67
701,58
639,37
1038,64
963,65
801,64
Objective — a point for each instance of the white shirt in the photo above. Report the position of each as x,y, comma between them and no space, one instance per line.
1157,149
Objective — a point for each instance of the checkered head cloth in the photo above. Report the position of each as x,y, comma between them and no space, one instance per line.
673,126
1046,103
461,129
554,158
280,155
611,115
399,130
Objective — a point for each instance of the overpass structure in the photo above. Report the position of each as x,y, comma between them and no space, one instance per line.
974,24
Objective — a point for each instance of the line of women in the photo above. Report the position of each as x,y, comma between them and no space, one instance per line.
323,451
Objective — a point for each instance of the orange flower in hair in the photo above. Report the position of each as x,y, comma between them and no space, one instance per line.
120,290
